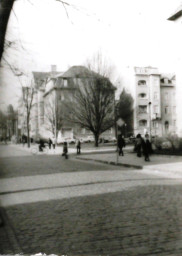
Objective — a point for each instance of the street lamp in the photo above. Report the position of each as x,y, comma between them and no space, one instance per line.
150,118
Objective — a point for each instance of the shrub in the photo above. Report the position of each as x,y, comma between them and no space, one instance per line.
170,143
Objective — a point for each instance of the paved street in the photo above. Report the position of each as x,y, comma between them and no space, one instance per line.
73,207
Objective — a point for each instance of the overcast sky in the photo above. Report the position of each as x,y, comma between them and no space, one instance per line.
129,33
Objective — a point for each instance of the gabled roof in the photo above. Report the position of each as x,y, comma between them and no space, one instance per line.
176,14
40,77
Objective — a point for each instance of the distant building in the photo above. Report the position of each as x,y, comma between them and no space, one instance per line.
155,104
177,18
52,88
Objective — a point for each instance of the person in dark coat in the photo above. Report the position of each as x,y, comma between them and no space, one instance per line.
50,143
41,145
146,145
65,150
121,144
78,147
138,145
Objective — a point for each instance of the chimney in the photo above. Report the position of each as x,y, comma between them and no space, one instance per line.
53,69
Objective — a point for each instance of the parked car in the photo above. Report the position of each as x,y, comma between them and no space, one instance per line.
67,139
107,139
112,139
87,139
90,138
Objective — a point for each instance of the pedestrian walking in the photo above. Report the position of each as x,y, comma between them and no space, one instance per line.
138,145
54,142
65,150
121,144
41,145
50,143
78,147
146,145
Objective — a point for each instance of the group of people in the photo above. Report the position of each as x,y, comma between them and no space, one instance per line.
143,145
51,143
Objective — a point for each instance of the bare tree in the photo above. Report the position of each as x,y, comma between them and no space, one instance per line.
94,105
6,6
27,101
3,125
54,115
101,65
5,10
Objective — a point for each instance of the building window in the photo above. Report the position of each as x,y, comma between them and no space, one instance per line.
65,82
142,82
166,110
166,125
155,124
155,95
166,96
156,109
143,123
142,109
142,95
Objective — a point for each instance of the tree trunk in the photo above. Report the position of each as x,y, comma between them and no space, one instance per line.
5,10
28,133
96,140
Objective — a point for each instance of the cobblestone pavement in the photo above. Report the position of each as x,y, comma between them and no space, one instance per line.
139,221
81,208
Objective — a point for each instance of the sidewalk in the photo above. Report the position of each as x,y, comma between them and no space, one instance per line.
108,155
131,160
71,150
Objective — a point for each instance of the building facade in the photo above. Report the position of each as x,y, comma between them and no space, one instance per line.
52,89
176,17
155,104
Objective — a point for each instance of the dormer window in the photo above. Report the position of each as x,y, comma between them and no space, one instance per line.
142,82
65,82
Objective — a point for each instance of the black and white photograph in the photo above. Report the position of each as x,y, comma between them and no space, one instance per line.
91,127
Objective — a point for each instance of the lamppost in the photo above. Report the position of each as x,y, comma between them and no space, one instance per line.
150,118
116,127
155,124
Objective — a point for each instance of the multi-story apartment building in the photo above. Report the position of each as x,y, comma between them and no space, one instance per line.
155,104
51,90
176,17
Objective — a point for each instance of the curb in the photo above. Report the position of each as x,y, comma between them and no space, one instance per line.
111,163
